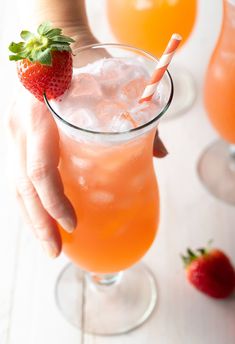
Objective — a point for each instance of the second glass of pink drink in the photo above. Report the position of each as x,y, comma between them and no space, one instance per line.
148,24
107,170
216,166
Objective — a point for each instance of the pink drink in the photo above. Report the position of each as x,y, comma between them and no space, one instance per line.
112,186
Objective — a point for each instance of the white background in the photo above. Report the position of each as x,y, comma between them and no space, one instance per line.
189,217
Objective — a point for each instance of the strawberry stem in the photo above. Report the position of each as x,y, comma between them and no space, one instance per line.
202,251
38,47
191,255
37,43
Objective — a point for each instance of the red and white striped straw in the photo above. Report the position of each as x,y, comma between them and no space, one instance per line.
161,67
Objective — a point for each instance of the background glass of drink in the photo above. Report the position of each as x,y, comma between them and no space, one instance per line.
110,180
148,24
217,164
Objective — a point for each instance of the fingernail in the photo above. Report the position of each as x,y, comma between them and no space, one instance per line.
67,223
50,248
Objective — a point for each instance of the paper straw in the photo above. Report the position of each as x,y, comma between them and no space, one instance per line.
161,67
126,115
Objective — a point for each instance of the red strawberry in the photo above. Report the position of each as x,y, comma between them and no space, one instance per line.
44,61
210,271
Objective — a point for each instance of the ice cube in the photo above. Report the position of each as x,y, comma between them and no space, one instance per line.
114,68
120,123
84,86
143,113
82,182
114,72
106,110
102,197
138,182
83,118
137,71
133,89
83,164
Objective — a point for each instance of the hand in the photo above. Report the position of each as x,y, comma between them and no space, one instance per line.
39,189
35,140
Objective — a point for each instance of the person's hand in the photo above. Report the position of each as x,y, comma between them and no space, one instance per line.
35,149
39,189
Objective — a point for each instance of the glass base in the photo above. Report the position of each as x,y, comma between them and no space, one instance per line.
106,309
216,169
184,92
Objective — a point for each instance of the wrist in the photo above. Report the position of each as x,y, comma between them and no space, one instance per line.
82,36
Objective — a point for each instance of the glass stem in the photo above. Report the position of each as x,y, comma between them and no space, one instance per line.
232,157
232,151
100,280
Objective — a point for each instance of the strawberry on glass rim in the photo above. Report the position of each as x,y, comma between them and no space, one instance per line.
44,61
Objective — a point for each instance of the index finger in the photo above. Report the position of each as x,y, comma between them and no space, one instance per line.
42,165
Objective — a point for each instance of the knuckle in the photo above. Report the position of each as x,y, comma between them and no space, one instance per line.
25,188
38,171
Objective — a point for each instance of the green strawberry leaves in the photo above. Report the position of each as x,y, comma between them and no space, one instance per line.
38,47
54,32
16,47
44,28
192,255
44,57
60,47
62,39
188,257
26,35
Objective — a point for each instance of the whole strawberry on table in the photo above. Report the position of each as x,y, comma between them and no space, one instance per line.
210,271
44,61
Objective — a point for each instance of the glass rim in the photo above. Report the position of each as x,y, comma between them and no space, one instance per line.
116,133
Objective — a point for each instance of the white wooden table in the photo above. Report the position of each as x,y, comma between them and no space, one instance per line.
189,217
